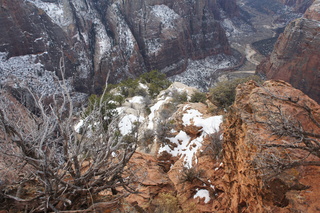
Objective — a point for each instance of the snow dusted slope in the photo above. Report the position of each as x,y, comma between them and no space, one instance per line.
186,146
54,10
166,15
199,72
25,71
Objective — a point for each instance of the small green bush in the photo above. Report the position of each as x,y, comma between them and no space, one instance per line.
179,97
156,82
198,97
128,87
223,95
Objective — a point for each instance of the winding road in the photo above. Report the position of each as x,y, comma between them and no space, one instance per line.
250,54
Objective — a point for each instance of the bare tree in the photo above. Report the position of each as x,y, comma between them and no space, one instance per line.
68,169
295,139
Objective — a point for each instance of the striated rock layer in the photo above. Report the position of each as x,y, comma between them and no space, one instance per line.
295,57
246,186
123,38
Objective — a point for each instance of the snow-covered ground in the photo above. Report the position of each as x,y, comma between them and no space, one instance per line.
28,72
199,72
128,122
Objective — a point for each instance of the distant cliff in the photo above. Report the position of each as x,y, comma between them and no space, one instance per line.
125,38
295,57
298,5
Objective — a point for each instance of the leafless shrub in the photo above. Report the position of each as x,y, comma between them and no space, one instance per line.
164,130
291,144
190,174
215,147
67,169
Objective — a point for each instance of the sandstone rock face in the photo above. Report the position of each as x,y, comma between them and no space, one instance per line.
152,180
123,38
295,58
246,131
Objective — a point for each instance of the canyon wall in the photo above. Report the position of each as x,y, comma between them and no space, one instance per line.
123,38
295,57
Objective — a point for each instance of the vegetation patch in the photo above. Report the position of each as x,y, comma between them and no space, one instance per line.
223,95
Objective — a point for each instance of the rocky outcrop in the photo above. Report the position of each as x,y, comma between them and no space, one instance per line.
247,129
296,53
123,38
188,167
151,181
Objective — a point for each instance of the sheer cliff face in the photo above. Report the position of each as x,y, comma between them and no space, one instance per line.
123,38
295,58
252,181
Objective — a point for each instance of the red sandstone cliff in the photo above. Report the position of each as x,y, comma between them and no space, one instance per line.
295,57
252,176
247,184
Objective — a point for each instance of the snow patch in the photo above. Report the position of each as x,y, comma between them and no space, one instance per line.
202,193
78,126
183,145
137,100
154,46
103,43
127,123
143,86
230,28
153,110
209,125
191,114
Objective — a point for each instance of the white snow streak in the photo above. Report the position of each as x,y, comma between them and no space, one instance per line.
53,10
137,100
186,148
127,123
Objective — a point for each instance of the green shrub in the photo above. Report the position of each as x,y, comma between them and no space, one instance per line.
140,92
223,95
128,87
164,130
109,104
156,82
198,97
179,97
